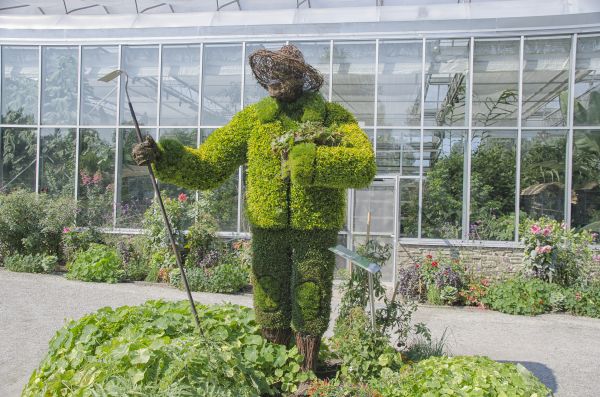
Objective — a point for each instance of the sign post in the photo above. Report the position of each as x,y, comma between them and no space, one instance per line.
365,264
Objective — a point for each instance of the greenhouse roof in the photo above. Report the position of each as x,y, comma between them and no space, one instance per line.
104,7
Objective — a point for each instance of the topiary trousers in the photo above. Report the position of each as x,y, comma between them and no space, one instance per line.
292,280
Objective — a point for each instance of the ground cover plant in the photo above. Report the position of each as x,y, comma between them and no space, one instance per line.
155,349
99,263
37,263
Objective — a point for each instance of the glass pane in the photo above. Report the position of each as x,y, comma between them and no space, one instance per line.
585,198
443,164
446,76
493,167
134,190
398,151
387,271
221,83
317,55
59,85
354,79
18,149
222,203
543,174
399,83
179,87
409,207
96,176
495,83
378,199
252,91
187,137
57,161
587,82
20,67
545,82
98,99
141,63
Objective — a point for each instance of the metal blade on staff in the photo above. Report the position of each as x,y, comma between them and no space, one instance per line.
109,77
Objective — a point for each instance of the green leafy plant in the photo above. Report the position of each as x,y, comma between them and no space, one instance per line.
555,253
37,263
74,241
583,301
334,389
33,224
226,278
520,296
154,349
98,263
364,353
460,376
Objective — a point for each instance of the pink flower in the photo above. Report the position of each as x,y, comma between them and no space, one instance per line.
66,230
547,230
85,178
543,250
535,229
596,258
97,178
182,197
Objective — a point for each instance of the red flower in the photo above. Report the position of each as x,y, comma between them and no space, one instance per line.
434,264
417,265
429,256
182,198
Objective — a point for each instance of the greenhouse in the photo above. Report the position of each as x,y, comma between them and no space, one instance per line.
482,115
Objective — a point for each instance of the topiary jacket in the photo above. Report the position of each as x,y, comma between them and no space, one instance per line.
313,197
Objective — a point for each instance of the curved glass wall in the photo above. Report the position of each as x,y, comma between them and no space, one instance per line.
472,136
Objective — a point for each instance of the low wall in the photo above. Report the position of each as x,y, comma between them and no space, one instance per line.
491,262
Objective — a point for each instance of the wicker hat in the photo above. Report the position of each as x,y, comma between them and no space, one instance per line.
285,64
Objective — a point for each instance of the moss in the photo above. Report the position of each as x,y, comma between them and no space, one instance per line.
312,280
299,212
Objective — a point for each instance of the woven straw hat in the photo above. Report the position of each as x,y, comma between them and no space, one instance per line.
285,64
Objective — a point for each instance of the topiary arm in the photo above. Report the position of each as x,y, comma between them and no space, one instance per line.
213,162
350,165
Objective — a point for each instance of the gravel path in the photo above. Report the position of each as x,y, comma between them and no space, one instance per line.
562,350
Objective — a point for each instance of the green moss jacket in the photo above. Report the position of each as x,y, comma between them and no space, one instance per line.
313,197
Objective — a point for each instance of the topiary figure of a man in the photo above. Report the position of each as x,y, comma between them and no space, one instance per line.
301,154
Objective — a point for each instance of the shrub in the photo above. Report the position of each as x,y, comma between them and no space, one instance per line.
161,262
460,376
155,350
583,301
33,224
31,263
364,353
520,296
98,263
133,254
227,278
438,280
473,294
556,254
74,241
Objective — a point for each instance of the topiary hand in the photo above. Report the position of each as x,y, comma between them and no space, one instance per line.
145,152
302,163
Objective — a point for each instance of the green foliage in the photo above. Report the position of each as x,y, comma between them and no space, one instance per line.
556,254
133,254
74,241
460,376
161,262
180,214
37,263
583,301
333,389
364,353
98,263
229,277
249,137
519,296
33,224
154,349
